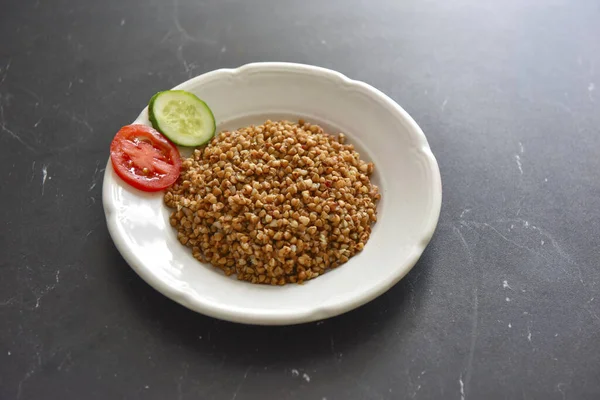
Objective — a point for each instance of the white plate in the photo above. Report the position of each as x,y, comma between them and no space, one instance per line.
406,172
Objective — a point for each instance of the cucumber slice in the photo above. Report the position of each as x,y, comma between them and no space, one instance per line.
182,117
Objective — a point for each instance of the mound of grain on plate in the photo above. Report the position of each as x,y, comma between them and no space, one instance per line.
275,203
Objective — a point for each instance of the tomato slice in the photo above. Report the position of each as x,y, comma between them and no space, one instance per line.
144,158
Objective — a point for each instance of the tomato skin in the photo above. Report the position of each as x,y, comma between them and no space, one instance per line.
144,158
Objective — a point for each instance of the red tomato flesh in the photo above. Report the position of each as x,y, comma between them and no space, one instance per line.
144,158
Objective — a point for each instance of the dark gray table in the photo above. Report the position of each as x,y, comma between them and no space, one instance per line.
505,302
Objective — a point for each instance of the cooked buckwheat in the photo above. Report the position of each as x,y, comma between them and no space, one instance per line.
274,203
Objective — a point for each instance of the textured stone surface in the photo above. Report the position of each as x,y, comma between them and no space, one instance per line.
504,303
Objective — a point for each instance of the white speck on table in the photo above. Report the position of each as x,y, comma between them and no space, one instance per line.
44,177
519,164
